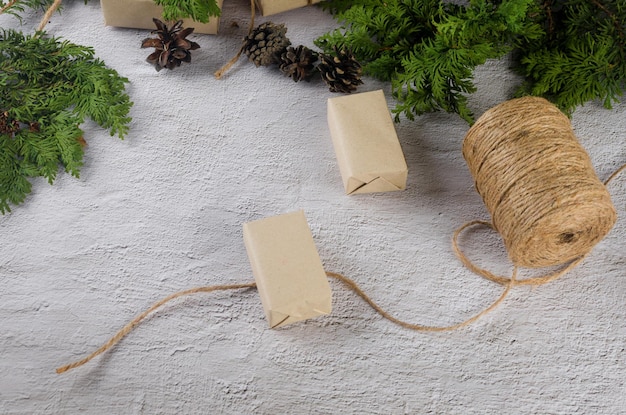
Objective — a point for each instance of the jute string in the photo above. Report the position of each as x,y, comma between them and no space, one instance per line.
537,183
48,14
220,72
130,326
347,281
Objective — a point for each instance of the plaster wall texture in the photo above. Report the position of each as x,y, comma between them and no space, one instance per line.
163,211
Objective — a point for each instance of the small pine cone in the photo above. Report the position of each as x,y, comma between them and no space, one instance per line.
298,63
265,43
341,72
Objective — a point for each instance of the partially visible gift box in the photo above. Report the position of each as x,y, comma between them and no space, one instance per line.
368,152
287,269
138,14
268,7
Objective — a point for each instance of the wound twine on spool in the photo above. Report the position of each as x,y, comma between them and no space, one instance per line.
539,187
538,184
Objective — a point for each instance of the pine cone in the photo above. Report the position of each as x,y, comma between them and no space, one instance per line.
265,43
298,63
171,47
341,72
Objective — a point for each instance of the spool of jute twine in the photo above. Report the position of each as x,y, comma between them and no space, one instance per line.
539,186
537,183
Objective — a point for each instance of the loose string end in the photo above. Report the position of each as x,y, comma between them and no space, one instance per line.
615,174
220,72
135,322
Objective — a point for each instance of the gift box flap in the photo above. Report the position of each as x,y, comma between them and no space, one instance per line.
297,312
387,183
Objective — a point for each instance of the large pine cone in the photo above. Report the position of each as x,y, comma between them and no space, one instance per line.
341,72
265,43
298,63
171,47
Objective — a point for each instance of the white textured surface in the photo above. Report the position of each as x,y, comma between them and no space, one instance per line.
162,211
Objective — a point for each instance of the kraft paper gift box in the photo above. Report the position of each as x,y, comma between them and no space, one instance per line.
287,269
138,14
268,7
366,144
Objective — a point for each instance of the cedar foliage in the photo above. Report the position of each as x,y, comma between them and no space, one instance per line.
198,10
569,51
48,87
15,8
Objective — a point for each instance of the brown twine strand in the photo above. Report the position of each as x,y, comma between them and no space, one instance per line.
614,175
512,281
500,279
46,17
219,73
501,144
130,326
7,5
347,281
418,327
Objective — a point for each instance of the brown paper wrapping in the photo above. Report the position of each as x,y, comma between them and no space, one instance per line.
366,144
268,7
138,14
288,271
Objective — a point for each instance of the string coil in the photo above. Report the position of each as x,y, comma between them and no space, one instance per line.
537,183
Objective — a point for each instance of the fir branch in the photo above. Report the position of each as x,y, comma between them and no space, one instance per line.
582,60
7,6
570,51
17,7
198,10
619,26
48,88
429,49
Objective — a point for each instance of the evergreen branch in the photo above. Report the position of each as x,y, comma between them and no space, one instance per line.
49,87
429,49
198,10
616,23
16,7
583,60
570,51
580,73
7,6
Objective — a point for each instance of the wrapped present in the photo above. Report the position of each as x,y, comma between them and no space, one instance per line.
268,7
288,271
368,152
138,14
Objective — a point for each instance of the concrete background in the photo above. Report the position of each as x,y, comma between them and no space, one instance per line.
162,211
